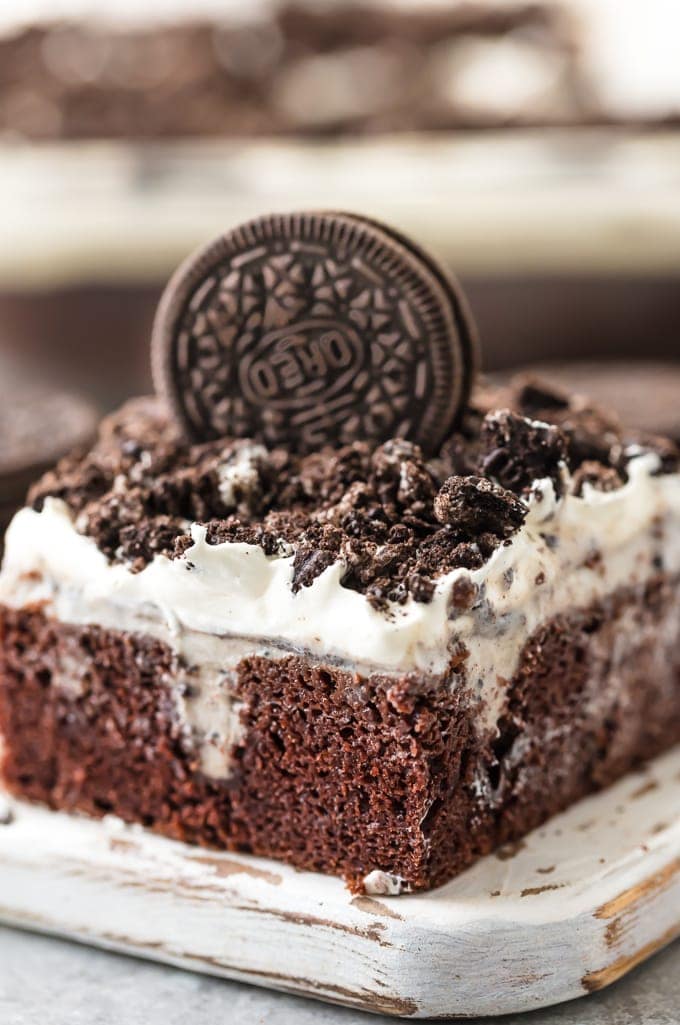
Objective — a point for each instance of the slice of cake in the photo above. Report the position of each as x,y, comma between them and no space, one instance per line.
361,658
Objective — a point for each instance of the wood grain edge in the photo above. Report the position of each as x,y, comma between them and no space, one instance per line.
603,977
621,914
365,1000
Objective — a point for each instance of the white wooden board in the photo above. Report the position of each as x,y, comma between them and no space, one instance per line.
573,908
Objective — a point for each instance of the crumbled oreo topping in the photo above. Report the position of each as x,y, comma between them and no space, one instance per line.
473,504
308,563
393,519
516,451
590,432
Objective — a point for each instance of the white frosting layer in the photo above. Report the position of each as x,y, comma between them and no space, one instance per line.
234,589
218,602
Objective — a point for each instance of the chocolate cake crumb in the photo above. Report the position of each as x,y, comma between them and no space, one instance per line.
472,505
516,451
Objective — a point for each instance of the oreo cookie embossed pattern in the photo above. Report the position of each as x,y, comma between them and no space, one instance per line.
309,328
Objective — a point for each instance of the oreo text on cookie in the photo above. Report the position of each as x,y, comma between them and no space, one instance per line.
313,329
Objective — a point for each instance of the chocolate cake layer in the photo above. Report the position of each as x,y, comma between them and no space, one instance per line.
385,780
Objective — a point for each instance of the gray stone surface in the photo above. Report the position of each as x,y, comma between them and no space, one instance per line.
44,981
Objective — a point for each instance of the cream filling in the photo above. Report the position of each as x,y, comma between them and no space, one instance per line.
220,602
209,712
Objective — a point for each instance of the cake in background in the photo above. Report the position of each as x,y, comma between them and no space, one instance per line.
294,68
531,145
73,69
38,425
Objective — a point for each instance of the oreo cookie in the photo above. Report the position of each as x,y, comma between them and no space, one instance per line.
460,310
314,328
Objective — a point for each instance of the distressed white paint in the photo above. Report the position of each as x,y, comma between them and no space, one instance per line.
613,862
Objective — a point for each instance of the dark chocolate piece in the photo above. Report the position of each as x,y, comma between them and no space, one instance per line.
517,451
305,329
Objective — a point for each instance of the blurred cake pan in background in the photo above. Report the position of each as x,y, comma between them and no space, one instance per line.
38,426
77,69
290,68
501,134
568,245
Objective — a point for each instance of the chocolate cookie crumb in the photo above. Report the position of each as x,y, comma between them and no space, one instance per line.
463,595
308,564
516,451
535,396
473,505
